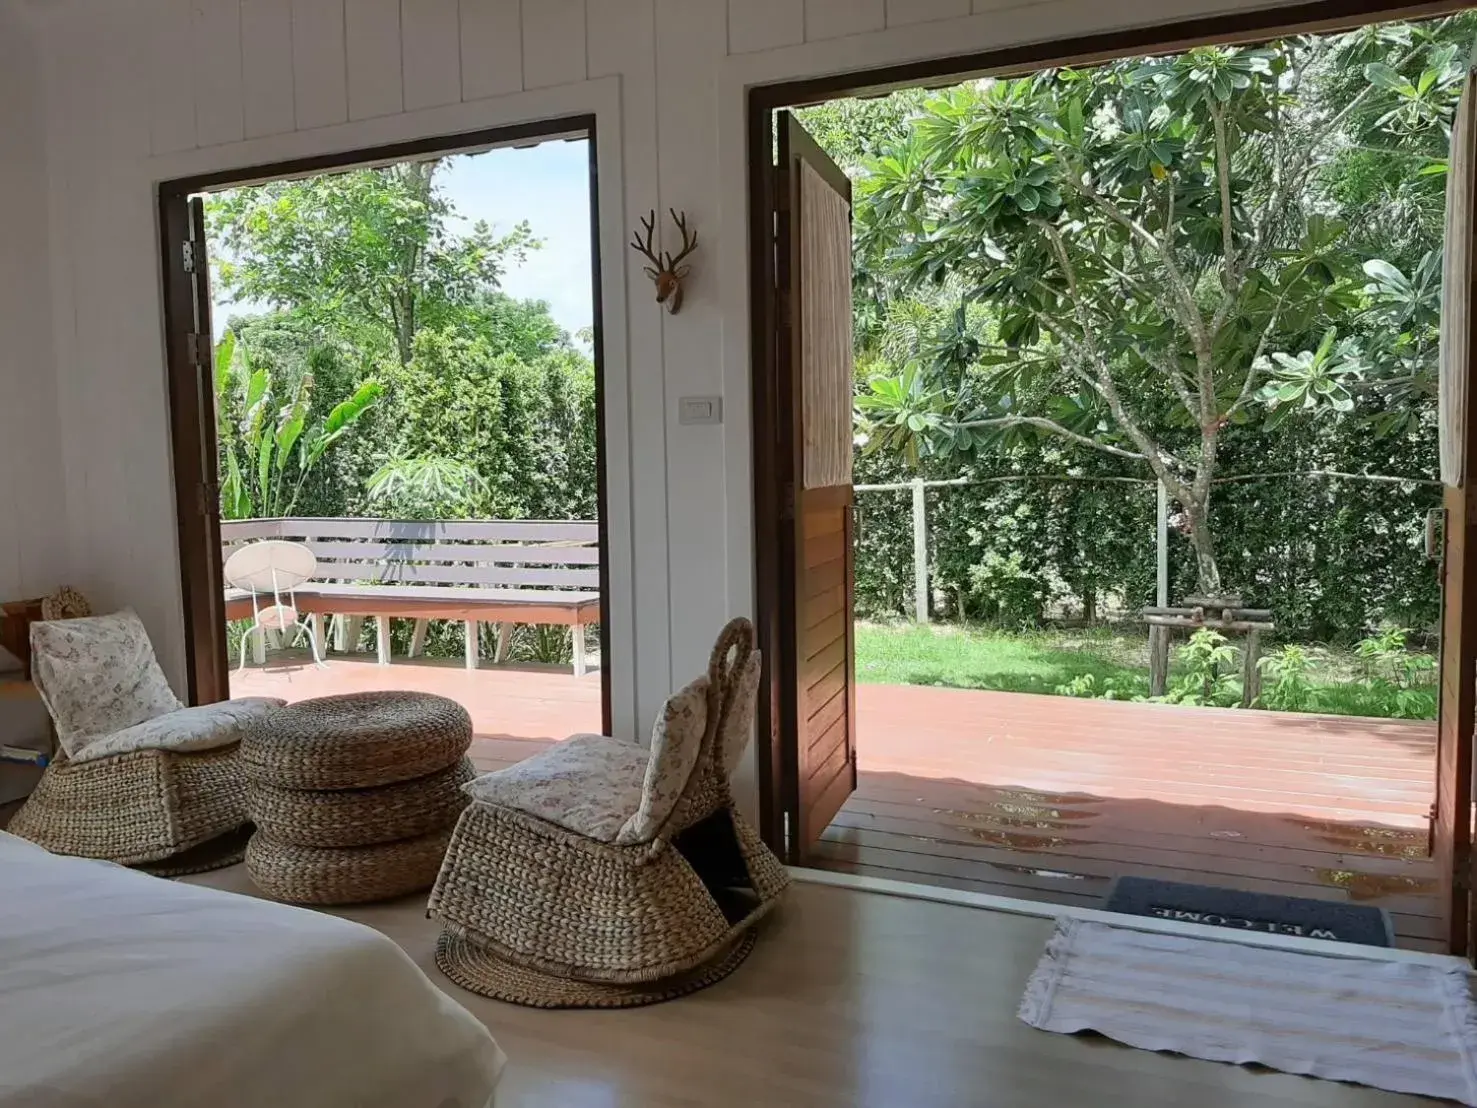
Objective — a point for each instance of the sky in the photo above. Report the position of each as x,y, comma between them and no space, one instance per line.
549,186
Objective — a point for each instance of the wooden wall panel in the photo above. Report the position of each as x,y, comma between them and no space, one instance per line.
431,63
492,48
553,42
266,67
215,55
835,18
755,25
319,78
171,100
902,12
372,50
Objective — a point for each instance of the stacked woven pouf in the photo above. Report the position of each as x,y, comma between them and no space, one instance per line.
354,797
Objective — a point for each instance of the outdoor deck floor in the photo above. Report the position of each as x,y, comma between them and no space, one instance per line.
1046,798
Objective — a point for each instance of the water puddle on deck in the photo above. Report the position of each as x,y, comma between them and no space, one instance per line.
1386,842
1370,886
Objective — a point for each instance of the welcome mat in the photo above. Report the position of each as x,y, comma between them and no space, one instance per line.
1240,911
1409,1027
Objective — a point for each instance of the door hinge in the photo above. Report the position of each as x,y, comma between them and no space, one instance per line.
187,256
788,840
210,498
787,501
197,349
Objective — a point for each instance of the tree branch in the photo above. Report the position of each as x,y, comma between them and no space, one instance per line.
1223,175
1184,298
1041,423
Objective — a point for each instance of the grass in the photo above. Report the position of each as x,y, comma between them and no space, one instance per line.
1042,661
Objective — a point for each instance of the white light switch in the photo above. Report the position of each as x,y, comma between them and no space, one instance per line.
700,409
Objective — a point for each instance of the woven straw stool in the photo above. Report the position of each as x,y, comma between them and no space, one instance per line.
354,796
344,875
603,874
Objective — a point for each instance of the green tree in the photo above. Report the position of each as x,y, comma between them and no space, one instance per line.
371,253
1154,244
269,441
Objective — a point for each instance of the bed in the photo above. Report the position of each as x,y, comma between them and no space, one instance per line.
128,990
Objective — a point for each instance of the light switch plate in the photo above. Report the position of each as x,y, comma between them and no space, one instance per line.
700,409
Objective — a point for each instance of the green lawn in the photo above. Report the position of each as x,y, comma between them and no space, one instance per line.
1042,661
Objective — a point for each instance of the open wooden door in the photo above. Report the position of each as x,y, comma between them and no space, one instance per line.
1451,823
816,672
192,437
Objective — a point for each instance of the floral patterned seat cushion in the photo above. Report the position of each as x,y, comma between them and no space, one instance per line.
738,725
98,676
607,789
203,728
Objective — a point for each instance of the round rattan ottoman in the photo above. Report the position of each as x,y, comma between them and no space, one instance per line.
354,796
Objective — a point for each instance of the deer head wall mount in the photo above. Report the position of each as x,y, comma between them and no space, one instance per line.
666,269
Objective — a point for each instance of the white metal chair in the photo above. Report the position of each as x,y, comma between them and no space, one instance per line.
273,567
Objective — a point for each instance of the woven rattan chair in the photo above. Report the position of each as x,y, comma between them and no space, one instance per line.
140,779
604,874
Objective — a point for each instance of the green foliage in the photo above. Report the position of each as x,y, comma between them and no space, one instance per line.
1209,677
461,401
1111,664
1148,257
1286,686
431,487
1397,676
1088,686
268,437
369,253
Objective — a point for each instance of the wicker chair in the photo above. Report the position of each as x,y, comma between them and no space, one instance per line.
140,779
601,874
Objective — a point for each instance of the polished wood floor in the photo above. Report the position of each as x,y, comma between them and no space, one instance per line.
1046,798
850,1000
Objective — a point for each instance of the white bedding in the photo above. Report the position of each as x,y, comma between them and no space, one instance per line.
125,990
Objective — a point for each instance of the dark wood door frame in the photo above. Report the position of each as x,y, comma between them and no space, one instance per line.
191,391
777,786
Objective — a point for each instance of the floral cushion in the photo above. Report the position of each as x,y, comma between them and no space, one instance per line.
610,790
202,728
738,725
589,784
97,675
676,742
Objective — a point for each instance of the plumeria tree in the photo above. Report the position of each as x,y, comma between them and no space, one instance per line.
1148,252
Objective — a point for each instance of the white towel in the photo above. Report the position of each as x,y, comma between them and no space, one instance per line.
1408,1027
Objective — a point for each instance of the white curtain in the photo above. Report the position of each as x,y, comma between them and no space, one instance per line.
1456,290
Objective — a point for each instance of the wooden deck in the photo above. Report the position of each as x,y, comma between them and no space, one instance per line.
1047,798
1050,798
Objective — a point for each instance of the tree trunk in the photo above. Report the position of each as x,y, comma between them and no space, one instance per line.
405,327
1207,572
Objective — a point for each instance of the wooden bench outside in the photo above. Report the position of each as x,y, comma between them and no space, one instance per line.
503,572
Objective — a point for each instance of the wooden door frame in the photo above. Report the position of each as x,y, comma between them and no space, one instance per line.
778,789
192,437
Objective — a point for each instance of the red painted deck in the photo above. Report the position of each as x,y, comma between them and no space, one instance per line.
1047,798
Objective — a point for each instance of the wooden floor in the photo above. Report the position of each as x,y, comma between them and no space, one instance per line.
1047,798
850,1000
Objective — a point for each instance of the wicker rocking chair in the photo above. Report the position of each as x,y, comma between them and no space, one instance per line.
602,874
140,779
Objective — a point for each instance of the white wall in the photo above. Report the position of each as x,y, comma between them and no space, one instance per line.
32,511
142,90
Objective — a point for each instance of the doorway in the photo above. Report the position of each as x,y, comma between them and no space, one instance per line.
390,362
1051,834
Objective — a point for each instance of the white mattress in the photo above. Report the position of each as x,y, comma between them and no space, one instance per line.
123,989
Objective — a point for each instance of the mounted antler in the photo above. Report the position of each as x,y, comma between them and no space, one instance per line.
666,269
